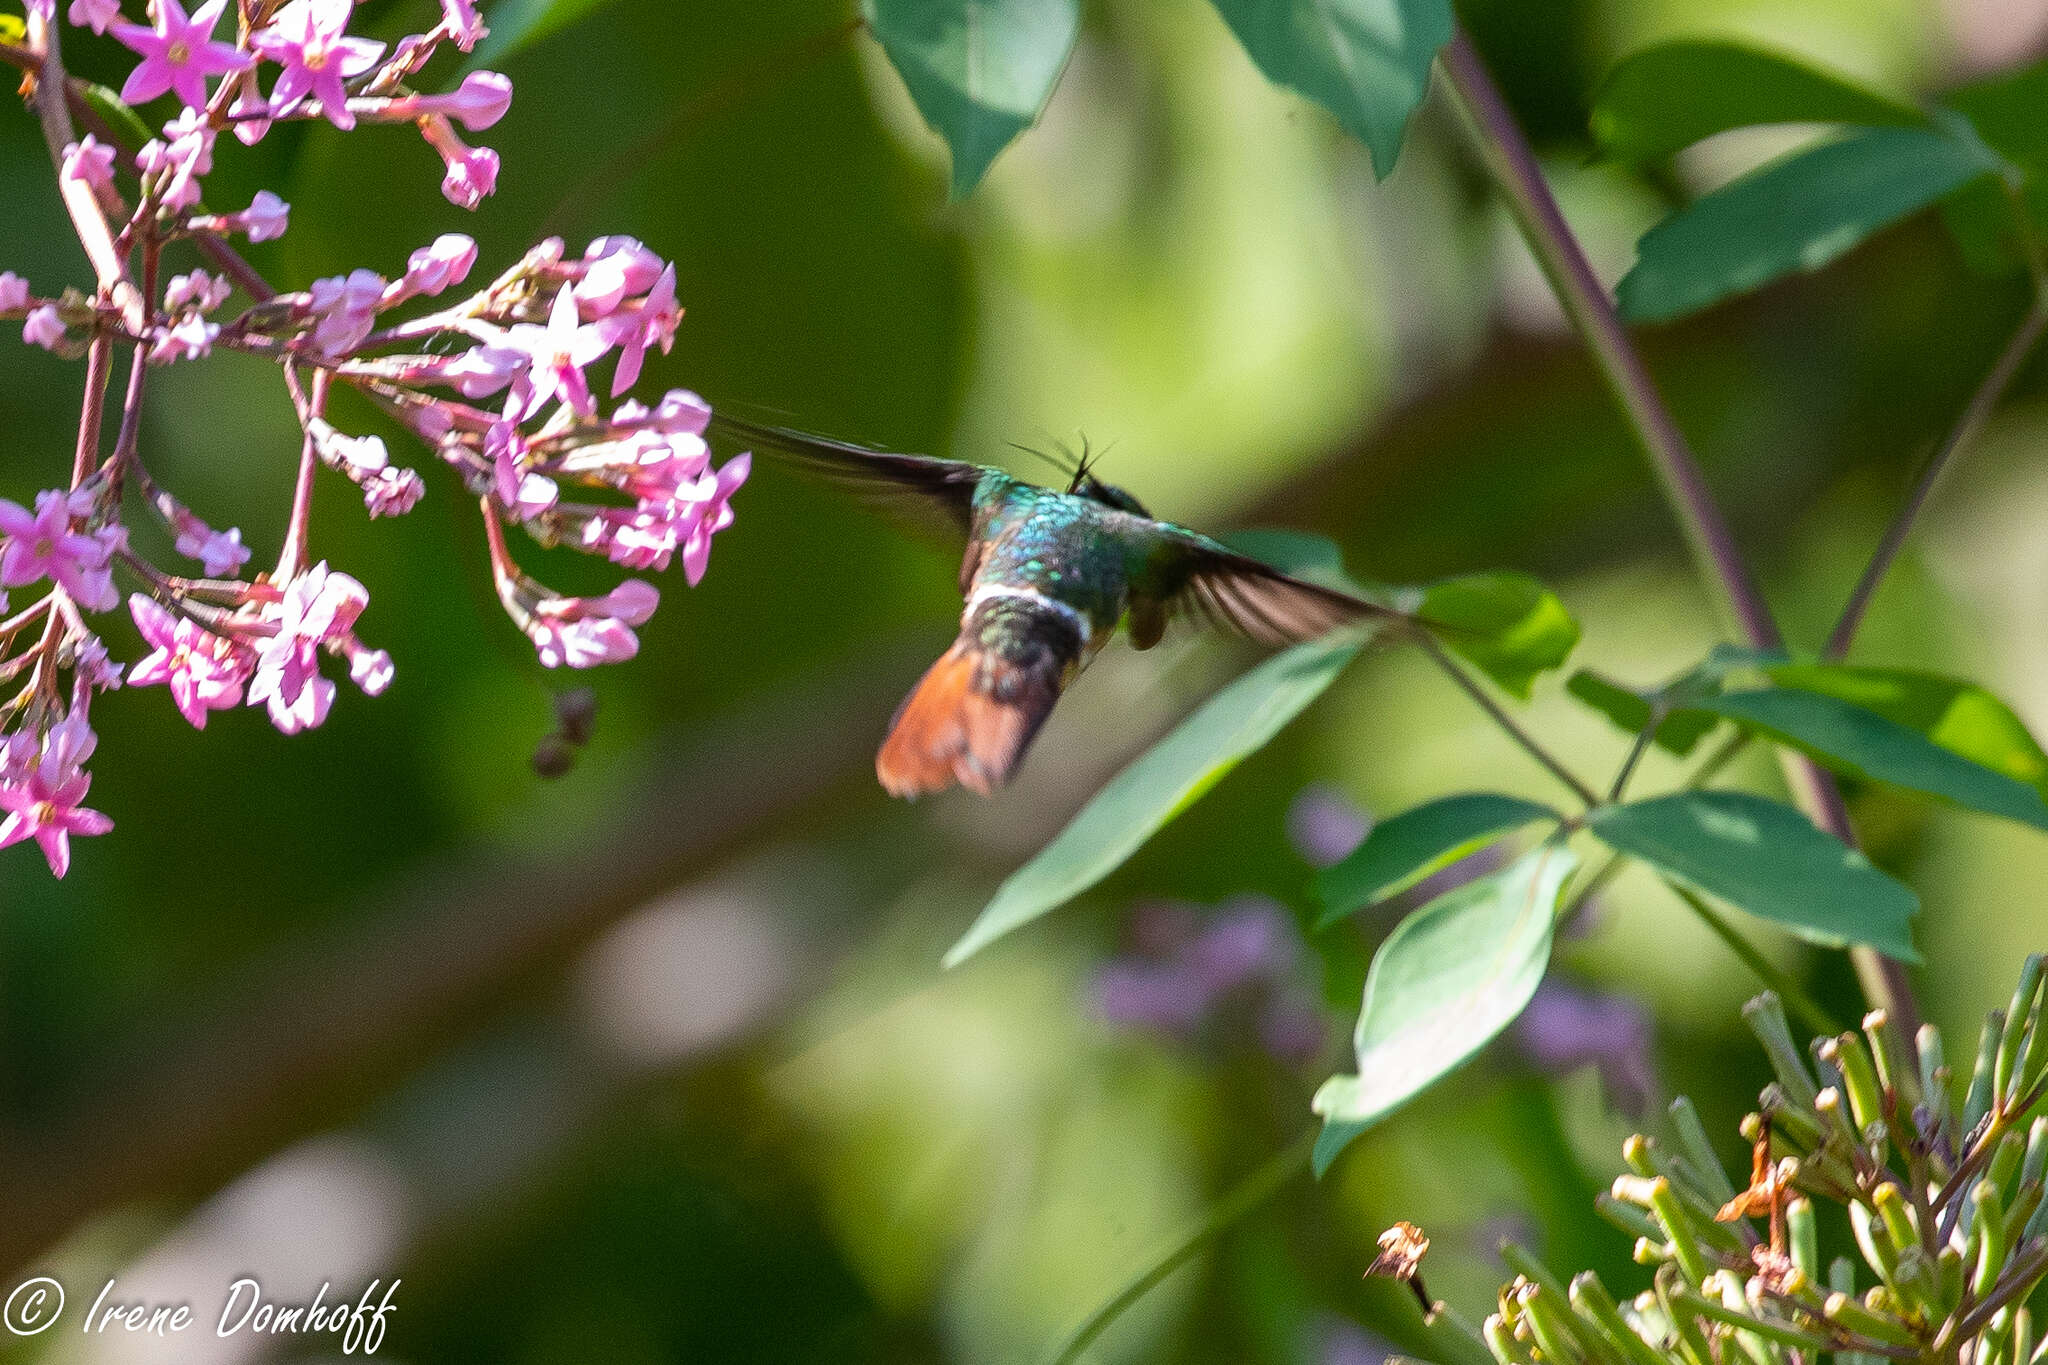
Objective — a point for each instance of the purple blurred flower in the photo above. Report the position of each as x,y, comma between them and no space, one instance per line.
1565,1028
1325,825
1192,975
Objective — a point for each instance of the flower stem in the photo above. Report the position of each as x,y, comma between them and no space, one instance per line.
1514,169
291,559
1253,1191
87,218
1506,722
1968,424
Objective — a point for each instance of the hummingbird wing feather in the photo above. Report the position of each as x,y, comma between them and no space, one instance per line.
1233,592
929,492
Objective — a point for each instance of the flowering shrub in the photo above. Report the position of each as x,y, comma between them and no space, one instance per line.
495,384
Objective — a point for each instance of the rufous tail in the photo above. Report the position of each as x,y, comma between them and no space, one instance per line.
975,711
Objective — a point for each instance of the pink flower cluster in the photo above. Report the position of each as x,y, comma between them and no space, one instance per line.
500,384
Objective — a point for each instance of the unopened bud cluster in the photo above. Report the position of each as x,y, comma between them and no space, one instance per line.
1862,1142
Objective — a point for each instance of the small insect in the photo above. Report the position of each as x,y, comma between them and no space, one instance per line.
1048,574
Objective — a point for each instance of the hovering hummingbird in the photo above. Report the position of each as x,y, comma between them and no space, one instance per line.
1048,573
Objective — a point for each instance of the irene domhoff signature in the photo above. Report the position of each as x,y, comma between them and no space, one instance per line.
36,1305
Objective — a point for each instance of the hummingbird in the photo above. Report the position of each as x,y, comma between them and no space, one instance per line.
1047,575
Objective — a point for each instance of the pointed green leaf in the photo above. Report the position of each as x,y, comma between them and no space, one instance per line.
1861,743
1403,850
1767,859
1508,624
979,70
2009,112
1679,732
1164,781
1450,977
1798,213
1953,712
1366,61
1664,98
517,24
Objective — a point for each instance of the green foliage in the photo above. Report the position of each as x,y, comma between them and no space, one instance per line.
1767,859
1679,732
979,70
1667,97
1447,980
1509,625
1957,714
2009,113
1168,778
1401,851
1366,61
1861,743
518,24
1798,213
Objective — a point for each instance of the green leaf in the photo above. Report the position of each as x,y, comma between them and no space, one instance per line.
1767,859
1862,743
1507,624
1451,976
1798,213
1679,732
2009,113
1402,851
978,70
1666,97
1957,714
1366,61
1164,781
122,119
518,24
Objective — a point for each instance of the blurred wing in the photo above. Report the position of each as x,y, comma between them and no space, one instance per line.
1236,593
929,493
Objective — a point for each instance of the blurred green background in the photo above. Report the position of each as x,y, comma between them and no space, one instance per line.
656,1063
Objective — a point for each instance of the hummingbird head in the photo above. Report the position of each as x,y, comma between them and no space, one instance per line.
1108,494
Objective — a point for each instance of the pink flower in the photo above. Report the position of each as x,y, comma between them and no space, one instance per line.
94,14
445,261
177,53
43,545
319,607
714,517
520,491
558,353
189,338
249,114
90,162
266,217
14,295
44,328
204,671
182,161
652,322
615,269
309,39
459,17
221,554
347,308
197,290
480,101
583,632
41,795
370,669
472,171
392,492
481,371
